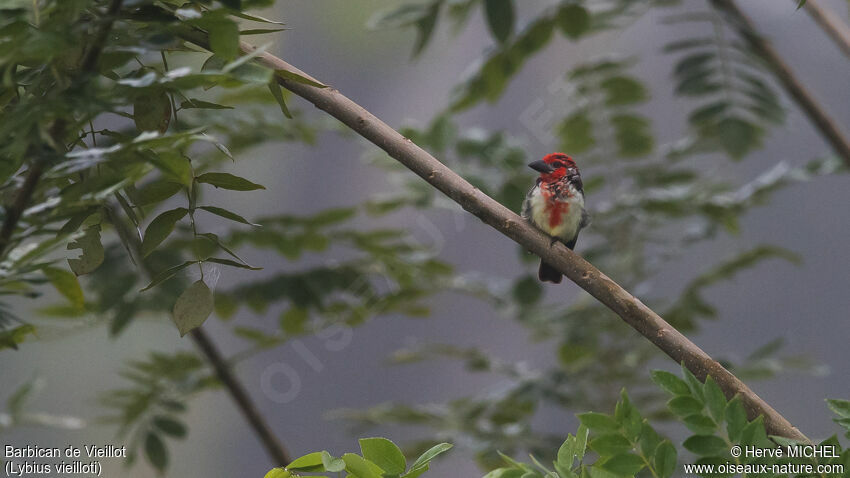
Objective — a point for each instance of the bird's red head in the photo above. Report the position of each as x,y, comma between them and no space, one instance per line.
553,166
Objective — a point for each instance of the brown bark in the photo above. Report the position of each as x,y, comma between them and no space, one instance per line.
831,23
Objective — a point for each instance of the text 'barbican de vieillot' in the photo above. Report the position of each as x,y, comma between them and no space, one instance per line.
91,451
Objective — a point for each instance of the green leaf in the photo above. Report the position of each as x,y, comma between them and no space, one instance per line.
260,31
430,454
278,473
767,350
693,383
610,444
573,20
633,135
527,290
706,445
291,76
156,192
737,136
234,4
383,453
623,90
228,181
684,406
278,96
361,467
152,112
415,472
310,462
170,426
839,407
736,419
566,453
166,274
425,27
506,473
160,228
193,307
715,401
224,36
700,424
256,18
331,464
500,18
398,15
576,133
580,446
260,338
9,339
228,262
629,418
213,238
664,459
670,382
227,215
174,166
575,355
627,464
649,439
598,422
66,283
193,103
754,433
294,319
92,251
155,451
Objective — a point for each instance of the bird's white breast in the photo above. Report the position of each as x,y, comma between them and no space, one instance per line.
569,211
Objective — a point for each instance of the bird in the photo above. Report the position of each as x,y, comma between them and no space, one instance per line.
555,205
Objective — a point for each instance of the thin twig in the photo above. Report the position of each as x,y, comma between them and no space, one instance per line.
89,63
22,201
214,357
588,277
273,446
832,24
826,125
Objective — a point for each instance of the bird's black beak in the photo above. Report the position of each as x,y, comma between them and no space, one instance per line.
541,166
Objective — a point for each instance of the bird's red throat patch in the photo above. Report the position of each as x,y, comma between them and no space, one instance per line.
555,209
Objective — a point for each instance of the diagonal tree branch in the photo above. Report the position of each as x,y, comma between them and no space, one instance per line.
237,391
630,309
832,24
798,91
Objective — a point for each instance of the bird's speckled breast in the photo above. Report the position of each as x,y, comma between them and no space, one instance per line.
556,208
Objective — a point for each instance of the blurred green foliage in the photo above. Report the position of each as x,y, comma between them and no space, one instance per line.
626,444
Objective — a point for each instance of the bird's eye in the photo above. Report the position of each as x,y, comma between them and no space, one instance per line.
559,165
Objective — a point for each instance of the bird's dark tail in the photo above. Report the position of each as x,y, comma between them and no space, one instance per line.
547,273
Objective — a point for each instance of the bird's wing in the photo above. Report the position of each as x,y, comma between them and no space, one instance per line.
526,204
585,219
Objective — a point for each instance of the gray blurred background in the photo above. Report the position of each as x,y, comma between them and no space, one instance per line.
808,305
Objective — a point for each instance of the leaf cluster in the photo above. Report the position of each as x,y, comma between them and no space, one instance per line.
150,410
378,458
